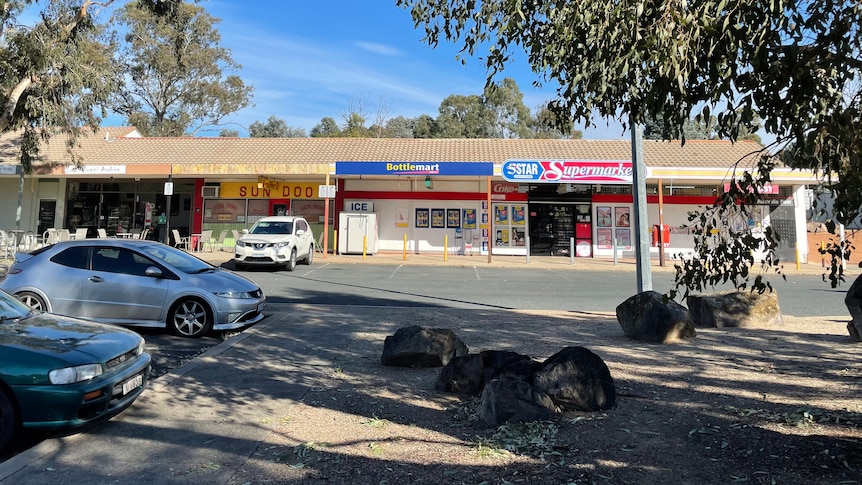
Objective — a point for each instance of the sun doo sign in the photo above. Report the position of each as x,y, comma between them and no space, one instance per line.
568,171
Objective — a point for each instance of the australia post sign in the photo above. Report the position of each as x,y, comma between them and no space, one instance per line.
568,171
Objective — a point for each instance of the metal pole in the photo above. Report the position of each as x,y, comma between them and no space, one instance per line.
661,240
168,211
527,242
615,251
571,250
640,223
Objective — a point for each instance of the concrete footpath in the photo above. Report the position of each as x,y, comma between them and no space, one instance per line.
204,420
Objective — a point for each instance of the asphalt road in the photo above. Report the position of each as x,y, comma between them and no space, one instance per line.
505,288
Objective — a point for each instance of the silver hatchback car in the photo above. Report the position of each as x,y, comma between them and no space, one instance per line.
134,282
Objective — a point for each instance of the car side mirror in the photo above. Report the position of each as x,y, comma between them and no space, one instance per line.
300,232
245,231
154,272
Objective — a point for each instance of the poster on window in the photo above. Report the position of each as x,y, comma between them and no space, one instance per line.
624,238
605,238
453,218
603,216
519,236
621,214
502,239
501,214
518,215
422,218
469,219
438,218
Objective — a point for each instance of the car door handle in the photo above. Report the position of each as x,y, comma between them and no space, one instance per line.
96,279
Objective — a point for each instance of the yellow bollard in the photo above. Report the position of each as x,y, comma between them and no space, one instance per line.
446,248
334,242
364,246
404,255
798,260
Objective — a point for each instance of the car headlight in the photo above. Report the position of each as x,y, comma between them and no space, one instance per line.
232,294
71,375
281,244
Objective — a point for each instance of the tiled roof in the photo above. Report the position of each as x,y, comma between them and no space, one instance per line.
112,146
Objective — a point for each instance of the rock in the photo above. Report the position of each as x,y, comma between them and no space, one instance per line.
646,317
744,309
462,375
505,401
421,347
576,379
468,374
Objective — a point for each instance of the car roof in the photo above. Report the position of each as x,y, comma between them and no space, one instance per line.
109,241
280,218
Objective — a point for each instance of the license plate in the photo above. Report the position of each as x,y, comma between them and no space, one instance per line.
133,383
257,255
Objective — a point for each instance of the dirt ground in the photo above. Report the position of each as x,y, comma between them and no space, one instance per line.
773,406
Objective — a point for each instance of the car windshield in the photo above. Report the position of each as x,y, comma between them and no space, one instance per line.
180,260
11,308
266,227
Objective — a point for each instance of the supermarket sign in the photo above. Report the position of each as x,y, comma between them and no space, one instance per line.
568,171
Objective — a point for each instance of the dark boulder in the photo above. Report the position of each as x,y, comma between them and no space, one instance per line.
421,347
648,318
576,379
505,401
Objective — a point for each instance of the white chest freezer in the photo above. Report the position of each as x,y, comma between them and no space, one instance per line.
356,229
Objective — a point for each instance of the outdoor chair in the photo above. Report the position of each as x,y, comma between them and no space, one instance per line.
80,233
181,242
220,241
103,234
205,241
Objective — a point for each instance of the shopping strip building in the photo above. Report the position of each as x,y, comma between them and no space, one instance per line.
467,196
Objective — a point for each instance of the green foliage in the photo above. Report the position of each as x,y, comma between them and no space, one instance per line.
175,82
274,128
327,128
790,65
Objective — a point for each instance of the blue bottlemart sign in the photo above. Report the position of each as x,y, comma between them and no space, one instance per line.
415,168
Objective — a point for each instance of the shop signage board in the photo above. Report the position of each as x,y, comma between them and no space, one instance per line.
415,168
276,190
568,171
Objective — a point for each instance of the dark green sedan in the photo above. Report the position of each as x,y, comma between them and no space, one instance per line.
62,373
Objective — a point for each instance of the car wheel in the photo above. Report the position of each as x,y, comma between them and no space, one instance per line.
8,420
291,263
33,301
310,257
190,318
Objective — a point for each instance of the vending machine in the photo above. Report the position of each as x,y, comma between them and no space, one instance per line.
357,232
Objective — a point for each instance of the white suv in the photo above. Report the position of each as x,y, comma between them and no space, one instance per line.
275,241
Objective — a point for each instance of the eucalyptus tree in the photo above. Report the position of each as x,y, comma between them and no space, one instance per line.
56,74
176,75
788,62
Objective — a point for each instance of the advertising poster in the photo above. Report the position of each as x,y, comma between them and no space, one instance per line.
624,238
519,236
501,214
422,218
502,238
518,215
403,217
484,218
469,219
621,214
453,218
438,218
603,217
605,238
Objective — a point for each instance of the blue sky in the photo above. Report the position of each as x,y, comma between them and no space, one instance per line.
308,60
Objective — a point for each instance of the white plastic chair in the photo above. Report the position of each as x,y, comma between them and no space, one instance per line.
181,242
220,241
81,233
103,234
206,241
